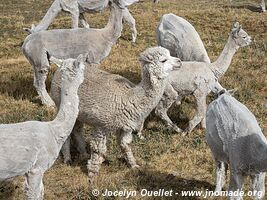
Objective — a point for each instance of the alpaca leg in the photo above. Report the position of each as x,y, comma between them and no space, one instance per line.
258,186
139,131
124,139
83,21
75,18
79,139
33,186
127,17
73,8
98,152
65,150
169,97
263,6
204,110
221,169
51,14
236,184
201,112
39,84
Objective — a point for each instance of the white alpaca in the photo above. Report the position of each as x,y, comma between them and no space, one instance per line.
199,79
235,138
30,148
69,43
181,38
77,8
112,104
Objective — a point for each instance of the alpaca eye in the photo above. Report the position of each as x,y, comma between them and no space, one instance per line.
164,60
244,37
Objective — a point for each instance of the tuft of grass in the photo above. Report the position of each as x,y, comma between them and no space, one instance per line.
169,161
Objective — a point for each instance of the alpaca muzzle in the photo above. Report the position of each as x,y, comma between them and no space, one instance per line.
177,64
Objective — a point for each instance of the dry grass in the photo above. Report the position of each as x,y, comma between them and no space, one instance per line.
163,152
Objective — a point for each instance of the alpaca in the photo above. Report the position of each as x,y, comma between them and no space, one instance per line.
181,38
199,79
236,139
30,148
263,5
77,8
112,104
69,43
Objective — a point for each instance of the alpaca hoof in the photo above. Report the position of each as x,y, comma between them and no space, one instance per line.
177,103
48,102
91,175
203,126
184,133
84,156
140,136
87,26
177,129
135,166
67,161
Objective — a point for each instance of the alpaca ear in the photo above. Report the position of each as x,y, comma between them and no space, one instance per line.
90,57
29,30
81,58
236,28
56,61
120,3
145,59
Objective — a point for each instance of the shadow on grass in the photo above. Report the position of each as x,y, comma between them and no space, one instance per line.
19,89
21,86
7,190
154,180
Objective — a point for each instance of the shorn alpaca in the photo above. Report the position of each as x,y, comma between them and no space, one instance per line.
76,8
112,104
30,148
235,138
263,5
199,79
181,38
69,43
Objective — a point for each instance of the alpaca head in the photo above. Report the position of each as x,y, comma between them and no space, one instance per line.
72,70
158,63
30,30
240,36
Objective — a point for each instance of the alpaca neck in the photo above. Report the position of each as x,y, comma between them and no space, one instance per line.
114,27
149,93
67,114
221,65
48,18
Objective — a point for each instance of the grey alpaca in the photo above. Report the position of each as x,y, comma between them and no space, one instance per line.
181,38
112,104
30,148
235,139
263,5
69,43
199,79
77,8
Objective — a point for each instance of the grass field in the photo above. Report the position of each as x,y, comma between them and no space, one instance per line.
168,160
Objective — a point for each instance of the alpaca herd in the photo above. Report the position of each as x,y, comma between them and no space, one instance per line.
111,104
